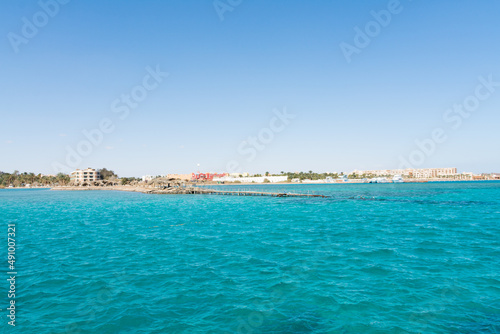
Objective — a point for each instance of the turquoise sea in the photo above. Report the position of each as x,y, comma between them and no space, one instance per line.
373,258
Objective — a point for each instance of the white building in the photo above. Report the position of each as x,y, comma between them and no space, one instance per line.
146,178
253,179
239,175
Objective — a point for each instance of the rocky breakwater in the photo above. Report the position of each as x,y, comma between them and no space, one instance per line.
156,186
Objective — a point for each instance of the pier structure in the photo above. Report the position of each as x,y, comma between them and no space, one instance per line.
171,186
259,193
203,191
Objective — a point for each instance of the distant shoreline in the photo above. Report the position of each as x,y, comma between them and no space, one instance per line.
140,189
330,183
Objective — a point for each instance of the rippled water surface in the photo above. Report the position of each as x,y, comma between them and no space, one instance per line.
373,258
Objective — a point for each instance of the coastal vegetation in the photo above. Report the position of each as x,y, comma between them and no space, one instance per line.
29,179
17,179
309,175
107,174
129,180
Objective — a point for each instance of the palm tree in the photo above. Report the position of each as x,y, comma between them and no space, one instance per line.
62,179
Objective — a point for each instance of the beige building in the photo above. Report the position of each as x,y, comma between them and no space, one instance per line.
420,173
426,173
86,175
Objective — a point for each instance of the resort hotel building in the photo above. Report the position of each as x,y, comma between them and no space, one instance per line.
86,175
421,173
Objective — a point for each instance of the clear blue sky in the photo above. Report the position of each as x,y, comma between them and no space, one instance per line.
227,76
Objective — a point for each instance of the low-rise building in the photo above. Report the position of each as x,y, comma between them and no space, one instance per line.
239,174
146,178
252,179
86,175
206,176
418,173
